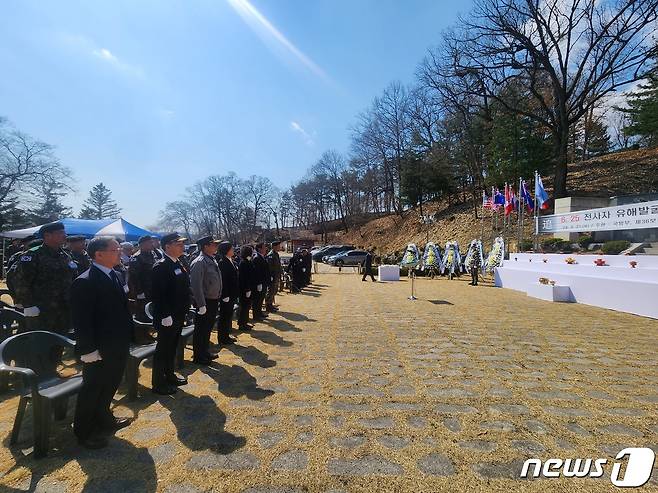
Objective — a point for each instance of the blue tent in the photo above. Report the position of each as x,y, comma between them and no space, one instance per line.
117,228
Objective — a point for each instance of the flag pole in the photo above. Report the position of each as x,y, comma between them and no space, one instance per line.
519,212
482,216
536,220
493,210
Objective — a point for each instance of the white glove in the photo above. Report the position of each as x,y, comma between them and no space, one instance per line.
202,310
272,279
31,311
141,296
304,269
167,322
226,300
247,294
91,357
259,288
18,305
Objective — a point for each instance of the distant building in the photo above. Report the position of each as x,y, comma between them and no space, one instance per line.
300,238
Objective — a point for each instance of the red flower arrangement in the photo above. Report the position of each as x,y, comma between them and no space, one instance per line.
600,262
633,264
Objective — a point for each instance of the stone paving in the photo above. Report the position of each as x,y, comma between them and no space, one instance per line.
351,387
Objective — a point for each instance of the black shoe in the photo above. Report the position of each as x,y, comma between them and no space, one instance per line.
177,381
118,424
272,309
164,390
93,442
227,340
202,361
246,327
212,356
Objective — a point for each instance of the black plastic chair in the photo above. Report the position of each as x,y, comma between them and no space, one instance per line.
137,355
186,333
34,356
12,322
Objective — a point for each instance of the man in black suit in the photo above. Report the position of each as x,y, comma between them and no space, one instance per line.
171,302
367,266
261,281
247,286
103,330
230,291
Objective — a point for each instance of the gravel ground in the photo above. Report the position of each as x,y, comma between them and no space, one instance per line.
351,387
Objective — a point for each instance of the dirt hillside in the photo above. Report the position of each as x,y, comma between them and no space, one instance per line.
621,173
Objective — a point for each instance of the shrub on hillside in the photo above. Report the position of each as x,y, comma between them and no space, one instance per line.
585,241
615,247
525,245
556,245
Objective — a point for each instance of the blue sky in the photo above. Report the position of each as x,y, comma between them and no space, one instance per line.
151,96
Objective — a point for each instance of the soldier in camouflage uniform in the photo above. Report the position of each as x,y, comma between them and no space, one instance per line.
25,244
77,251
140,270
43,282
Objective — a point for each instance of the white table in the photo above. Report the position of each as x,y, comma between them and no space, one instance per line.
549,293
389,273
622,289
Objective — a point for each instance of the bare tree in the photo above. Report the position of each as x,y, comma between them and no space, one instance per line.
569,54
260,192
331,167
26,163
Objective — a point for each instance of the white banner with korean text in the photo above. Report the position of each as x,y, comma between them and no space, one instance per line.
630,216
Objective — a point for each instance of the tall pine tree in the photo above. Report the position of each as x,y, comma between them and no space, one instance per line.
99,204
643,111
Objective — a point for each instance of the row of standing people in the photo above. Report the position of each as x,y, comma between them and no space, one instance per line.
97,304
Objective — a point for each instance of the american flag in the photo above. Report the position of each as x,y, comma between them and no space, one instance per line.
487,202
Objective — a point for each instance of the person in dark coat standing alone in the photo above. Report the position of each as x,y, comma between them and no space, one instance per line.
171,302
247,287
367,266
261,280
103,329
230,292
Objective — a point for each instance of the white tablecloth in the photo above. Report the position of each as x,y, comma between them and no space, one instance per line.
606,287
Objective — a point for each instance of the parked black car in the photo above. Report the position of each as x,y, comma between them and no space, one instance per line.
330,250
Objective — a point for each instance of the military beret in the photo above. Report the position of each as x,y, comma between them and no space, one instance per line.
171,238
206,240
144,238
50,227
75,238
224,247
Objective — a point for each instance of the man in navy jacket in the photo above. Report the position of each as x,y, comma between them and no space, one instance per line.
103,330
171,302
